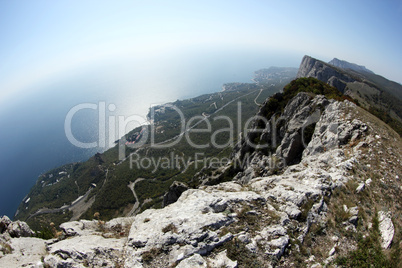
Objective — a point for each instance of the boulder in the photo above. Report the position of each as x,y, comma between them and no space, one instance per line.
386,228
332,251
19,229
175,191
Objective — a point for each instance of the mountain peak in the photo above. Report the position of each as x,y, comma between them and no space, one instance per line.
311,67
347,65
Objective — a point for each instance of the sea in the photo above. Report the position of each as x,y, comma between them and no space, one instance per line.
34,125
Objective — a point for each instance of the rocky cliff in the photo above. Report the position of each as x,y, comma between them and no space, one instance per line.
334,198
311,67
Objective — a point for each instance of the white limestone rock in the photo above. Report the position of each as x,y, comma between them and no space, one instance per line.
386,228
121,224
80,228
332,251
229,186
26,252
273,232
80,251
195,261
221,260
190,221
19,229
276,247
311,67
361,187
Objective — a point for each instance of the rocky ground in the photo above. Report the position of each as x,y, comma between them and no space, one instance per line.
345,186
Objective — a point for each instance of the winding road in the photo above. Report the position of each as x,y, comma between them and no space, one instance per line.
78,202
56,210
137,203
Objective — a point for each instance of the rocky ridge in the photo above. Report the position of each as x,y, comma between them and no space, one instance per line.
347,65
373,92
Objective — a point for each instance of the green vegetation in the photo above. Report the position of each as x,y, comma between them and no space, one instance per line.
385,116
45,233
278,101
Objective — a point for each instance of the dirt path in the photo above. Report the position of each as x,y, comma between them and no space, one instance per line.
78,202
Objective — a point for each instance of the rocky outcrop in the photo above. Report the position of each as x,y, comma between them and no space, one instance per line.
283,137
325,72
189,226
19,229
14,229
17,247
81,251
175,191
220,260
333,130
303,111
308,126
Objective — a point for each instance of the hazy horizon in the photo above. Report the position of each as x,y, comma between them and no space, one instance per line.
133,54
44,40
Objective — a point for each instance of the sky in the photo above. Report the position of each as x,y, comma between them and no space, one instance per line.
44,40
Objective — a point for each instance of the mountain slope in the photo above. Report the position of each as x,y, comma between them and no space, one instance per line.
117,187
338,204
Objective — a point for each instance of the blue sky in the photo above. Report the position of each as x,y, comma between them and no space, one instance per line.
55,54
45,40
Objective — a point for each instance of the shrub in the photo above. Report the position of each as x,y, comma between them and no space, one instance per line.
149,256
169,228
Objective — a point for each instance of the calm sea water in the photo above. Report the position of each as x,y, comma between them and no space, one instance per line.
32,133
